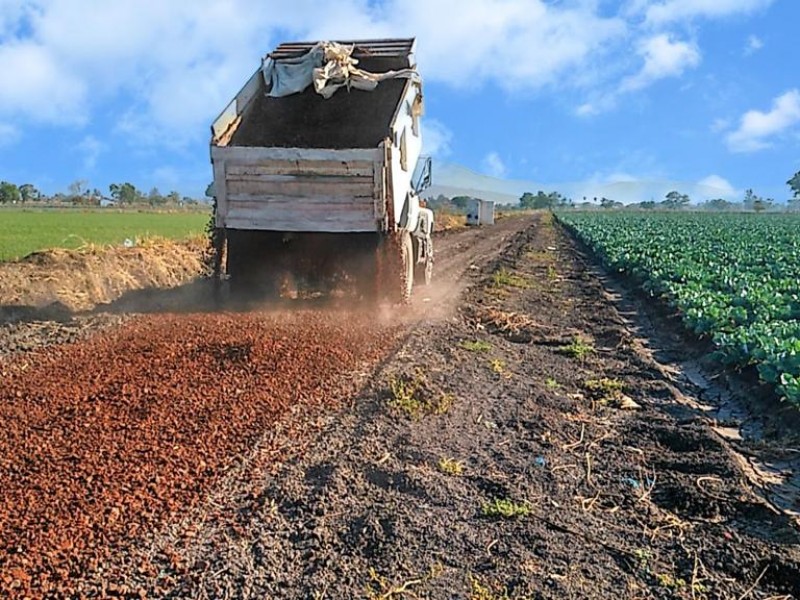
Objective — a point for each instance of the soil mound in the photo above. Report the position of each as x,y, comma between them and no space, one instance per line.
81,279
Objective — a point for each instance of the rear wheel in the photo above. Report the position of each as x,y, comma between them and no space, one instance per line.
408,260
395,268
423,271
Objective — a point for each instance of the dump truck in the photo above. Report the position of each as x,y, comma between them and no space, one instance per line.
318,172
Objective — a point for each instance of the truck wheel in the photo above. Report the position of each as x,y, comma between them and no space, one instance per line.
407,266
423,272
394,268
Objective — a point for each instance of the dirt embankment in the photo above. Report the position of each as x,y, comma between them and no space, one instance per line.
78,280
62,296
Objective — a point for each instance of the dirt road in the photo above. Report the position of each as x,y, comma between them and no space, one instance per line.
511,436
109,437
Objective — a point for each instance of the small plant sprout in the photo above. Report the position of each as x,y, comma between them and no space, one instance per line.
450,466
670,582
504,509
504,278
404,391
644,556
498,367
578,348
604,386
475,346
551,384
413,395
481,591
609,392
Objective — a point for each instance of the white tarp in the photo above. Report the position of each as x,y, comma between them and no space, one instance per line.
329,66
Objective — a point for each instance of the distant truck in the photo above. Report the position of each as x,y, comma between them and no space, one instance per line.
317,170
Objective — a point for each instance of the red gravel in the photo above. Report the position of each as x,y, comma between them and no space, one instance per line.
104,439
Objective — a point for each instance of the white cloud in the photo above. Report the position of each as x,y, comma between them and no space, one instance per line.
11,13
627,188
512,43
9,134
757,127
670,11
720,185
753,45
719,125
600,103
436,138
494,166
620,177
175,64
663,57
91,148
34,84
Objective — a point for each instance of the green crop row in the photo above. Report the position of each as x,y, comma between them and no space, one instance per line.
26,231
734,278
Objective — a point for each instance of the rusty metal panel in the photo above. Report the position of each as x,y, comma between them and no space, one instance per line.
400,47
229,119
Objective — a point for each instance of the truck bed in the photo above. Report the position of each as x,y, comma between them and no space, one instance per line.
354,119
304,164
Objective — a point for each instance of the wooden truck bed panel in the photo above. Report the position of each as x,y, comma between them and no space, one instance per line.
301,186
358,168
279,189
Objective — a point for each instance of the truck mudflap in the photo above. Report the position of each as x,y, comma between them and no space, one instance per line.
423,248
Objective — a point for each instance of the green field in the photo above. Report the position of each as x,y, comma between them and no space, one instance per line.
734,278
26,231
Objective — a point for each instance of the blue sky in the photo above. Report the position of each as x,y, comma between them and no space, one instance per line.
580,95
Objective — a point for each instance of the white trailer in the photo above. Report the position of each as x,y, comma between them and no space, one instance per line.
480,212
319,180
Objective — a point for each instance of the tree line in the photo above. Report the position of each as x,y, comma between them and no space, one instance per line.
80,194
751,201
673,200
528,201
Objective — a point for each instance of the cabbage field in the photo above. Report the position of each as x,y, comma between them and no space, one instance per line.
733,277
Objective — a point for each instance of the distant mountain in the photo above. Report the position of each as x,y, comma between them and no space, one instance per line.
455,180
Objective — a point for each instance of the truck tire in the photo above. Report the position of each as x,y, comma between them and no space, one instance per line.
407,261
394,268
423,271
